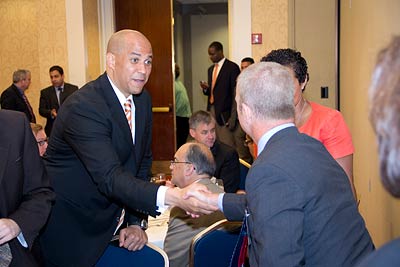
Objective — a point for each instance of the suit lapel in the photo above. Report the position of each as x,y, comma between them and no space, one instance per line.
116,110
139,121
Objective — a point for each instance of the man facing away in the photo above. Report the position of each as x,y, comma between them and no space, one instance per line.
14,97
220,90
202,129
99,158
299,205
52,97
193,163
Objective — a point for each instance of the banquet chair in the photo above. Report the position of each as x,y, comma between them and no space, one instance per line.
215,245
149,255
244,169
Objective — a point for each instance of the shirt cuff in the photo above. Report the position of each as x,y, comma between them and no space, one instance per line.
221,201
22,240
161,192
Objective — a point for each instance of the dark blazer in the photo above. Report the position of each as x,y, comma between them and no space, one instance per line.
302,211
224,91
12,99
227,166
388,255
97,170
49,101
25,192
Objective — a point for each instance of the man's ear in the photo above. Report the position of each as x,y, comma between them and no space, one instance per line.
192,132
110,60
189,169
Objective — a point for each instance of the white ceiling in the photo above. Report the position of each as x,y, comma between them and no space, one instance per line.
202,1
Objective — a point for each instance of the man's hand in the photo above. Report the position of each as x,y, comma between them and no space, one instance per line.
132,238
204,85
197,205
53,113
9,229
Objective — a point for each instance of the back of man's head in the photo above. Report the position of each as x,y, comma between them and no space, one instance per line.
267,88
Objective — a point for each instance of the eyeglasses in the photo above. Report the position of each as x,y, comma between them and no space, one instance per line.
42,142
175,162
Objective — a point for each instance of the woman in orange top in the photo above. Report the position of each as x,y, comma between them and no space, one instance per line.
324,124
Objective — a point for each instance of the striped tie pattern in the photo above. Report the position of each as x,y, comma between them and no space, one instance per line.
33,118
128,114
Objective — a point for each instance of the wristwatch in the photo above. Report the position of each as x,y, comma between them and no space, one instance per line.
144,224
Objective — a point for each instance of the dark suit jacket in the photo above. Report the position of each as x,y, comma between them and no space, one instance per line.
49,101
25,192
302,211
97,170
227,166
224,91
388,255
12,99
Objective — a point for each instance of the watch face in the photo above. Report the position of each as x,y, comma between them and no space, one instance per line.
143,224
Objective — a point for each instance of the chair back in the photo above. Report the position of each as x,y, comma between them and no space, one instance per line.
244,169
149,255
215,245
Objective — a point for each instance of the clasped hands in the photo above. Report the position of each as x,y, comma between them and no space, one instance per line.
195,199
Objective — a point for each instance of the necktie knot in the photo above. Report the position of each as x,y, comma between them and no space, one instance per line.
59,89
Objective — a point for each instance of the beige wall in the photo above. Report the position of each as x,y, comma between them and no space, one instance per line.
92,41
367,26
33,38
269,17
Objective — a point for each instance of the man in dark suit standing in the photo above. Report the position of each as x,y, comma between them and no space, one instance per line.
52,97
99,157
25,192
14,97
220,90
299,206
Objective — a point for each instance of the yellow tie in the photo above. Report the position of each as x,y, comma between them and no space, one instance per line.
214,79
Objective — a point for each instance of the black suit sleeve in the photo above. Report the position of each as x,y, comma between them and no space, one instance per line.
234,206
230,171
44,108
8,100
37,196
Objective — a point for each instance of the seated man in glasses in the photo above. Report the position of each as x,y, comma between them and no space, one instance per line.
40,136
193,163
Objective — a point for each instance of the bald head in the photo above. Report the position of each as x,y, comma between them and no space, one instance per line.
129,61
120,40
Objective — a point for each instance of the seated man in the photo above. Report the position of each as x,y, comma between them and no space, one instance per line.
193,163
202,129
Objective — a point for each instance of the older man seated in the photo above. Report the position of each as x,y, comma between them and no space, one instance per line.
193,163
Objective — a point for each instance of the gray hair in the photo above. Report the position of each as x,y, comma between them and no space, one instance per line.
201,158
19,75
199,117
268,89
384,114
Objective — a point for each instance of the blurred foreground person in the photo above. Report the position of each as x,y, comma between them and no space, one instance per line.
25,192
384,98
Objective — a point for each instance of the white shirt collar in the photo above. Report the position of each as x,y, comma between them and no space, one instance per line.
267,136
122,99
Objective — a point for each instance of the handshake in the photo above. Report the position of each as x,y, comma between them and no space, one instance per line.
195,199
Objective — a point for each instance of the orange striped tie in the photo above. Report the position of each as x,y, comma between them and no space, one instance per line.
128,114
214,79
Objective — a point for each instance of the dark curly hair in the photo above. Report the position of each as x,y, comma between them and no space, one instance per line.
290,58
